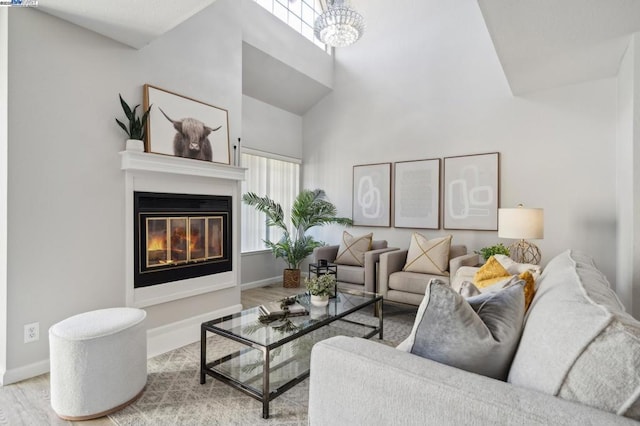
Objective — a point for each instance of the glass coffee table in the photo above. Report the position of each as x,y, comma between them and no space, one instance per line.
272,358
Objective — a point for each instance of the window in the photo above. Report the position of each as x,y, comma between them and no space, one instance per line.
299,15
272,175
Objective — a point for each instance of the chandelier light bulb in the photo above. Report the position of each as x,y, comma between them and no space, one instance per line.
339,25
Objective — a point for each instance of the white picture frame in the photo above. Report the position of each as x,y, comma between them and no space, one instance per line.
372,195
416,194
472,192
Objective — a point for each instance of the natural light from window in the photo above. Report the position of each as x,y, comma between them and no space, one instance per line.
276,177
298,14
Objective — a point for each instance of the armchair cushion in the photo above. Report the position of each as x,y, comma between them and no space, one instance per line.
479,335
428,256
352,249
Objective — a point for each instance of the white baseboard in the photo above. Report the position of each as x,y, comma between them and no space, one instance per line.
260,283
159,340
180,333
15,375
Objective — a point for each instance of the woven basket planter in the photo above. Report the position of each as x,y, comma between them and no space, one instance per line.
291,278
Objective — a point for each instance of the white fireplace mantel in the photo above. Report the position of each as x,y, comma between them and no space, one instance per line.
147,162
167,174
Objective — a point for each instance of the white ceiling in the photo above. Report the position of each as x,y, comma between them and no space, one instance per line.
135,23
272,81
550,43
540,43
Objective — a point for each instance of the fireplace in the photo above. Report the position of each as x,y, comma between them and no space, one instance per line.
180,236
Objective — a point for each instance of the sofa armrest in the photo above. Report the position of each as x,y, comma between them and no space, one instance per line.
471,259
325,252
390,262
371,257
360,382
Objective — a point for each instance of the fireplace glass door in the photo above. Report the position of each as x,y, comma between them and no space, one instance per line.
180,237
179,240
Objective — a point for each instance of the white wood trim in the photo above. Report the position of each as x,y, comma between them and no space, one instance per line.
180,333
144,161
251,151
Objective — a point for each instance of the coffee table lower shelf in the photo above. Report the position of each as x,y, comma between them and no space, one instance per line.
286,361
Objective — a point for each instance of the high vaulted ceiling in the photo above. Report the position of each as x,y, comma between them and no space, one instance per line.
550,43
541,44
135,23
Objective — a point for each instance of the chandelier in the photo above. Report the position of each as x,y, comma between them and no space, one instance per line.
339,25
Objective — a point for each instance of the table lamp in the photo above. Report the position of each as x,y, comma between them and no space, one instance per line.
522,223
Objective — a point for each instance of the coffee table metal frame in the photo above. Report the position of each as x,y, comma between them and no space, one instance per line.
265,395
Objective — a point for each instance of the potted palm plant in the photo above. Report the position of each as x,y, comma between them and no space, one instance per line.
309,209
136,128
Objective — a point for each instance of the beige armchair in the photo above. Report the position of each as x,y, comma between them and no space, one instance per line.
355,277
397,285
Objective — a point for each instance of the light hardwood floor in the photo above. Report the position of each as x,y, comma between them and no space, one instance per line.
27,403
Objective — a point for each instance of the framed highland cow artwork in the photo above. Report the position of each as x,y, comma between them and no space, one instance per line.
185,127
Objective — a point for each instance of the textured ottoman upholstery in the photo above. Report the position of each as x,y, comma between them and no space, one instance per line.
98,362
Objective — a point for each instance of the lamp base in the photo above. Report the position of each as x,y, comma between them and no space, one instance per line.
525,252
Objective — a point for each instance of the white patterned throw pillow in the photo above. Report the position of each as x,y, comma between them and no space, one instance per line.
352,249
428,256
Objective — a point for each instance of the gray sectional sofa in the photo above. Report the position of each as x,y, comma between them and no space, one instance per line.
577,363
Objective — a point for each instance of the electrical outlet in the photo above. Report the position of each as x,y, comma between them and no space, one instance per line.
32,332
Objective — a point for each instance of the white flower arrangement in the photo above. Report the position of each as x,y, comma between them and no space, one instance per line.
322,285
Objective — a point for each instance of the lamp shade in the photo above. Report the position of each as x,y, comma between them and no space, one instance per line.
521,223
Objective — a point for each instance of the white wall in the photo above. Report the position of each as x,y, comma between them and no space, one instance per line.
270,129
66,189
628,177
4,77
434,89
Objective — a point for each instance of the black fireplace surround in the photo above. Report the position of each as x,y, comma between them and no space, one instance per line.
180,236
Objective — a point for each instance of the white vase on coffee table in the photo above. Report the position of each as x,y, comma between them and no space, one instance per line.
319,300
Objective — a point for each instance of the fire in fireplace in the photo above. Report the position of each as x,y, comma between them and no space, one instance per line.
180,236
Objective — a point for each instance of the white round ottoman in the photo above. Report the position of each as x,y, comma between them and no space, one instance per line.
98,362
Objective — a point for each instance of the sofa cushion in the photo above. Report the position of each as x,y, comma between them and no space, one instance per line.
578,342
352,249
412,282
479,334
428,256
351,274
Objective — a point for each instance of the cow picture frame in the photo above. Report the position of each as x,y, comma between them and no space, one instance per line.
472,192
372,195
184,127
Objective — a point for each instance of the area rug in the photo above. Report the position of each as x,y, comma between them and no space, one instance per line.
174,395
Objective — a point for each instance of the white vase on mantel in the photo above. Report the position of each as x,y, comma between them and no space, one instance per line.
319,300
134,145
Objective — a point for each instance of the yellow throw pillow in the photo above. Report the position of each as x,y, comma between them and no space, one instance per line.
428,256
352,249
490,273
529,288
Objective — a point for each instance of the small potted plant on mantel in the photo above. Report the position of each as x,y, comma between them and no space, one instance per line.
320,288
137,126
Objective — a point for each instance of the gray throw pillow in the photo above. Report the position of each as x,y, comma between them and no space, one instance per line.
479,334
